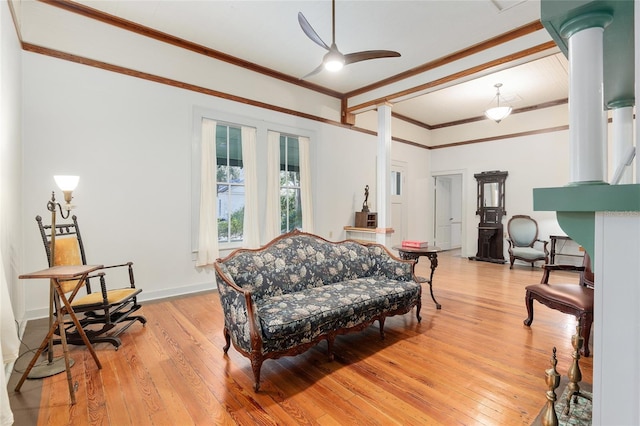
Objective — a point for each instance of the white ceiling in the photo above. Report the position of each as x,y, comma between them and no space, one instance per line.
267,33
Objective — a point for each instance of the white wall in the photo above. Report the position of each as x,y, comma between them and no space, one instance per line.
130,142
10,158
536,161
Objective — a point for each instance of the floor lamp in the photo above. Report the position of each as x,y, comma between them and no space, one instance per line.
66,184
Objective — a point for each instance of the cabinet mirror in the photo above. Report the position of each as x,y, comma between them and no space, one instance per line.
491,192
491,195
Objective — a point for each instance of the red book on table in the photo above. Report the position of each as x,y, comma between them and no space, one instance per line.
415,244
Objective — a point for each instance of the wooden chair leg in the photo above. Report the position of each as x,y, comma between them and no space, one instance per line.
585,332
528,301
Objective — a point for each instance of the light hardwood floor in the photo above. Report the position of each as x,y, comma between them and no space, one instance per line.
471,363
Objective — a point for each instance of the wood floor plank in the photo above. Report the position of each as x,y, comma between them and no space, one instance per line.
471,363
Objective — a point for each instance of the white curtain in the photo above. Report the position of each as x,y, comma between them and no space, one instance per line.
272,216
9,345
250,232
208,229
305,185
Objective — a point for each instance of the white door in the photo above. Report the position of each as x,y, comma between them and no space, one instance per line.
398,203
443,212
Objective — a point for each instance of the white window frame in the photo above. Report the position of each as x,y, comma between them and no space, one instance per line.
262,127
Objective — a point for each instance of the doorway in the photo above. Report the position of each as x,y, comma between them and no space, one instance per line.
448,223
398,202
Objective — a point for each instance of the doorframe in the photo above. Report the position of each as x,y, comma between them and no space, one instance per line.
463,205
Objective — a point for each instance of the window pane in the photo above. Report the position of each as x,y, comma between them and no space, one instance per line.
223,213
230,180
290,205
290,210
396,183
236,198
222,149
236,170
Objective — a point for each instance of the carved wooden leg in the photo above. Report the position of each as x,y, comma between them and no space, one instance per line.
528,301
381,322
418,307
330,339
227,338
256,365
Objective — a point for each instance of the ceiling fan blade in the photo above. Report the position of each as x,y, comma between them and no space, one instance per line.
310,32
350,58
314,72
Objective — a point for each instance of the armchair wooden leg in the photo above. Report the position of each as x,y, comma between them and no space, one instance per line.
227,339
585,331
528,301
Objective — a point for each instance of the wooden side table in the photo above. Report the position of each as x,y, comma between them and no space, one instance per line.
411,253
55,274
555,252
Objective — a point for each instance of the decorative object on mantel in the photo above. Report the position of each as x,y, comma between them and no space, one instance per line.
365,205
366,218
490,208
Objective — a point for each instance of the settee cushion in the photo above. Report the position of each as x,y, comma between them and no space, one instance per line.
308,313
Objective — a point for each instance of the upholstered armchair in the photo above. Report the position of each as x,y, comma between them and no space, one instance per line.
570,298
522,238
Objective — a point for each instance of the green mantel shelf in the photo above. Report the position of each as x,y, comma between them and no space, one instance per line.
576,205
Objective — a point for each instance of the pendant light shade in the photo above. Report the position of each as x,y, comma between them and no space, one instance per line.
498,112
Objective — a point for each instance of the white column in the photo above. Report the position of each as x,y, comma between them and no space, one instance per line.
616,325
587,115
383,190
623,139
636,32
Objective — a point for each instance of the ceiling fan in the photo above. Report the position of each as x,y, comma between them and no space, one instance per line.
334,60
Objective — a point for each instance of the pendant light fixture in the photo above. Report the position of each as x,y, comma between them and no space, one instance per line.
498,112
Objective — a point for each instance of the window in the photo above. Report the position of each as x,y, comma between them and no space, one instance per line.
229,183
246,188
290,202
396,182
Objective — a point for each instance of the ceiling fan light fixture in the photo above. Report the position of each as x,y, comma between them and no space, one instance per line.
333,61
498,113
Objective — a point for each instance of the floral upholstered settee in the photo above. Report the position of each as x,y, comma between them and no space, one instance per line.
299,289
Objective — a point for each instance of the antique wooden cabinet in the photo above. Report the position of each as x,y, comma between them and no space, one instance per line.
491,209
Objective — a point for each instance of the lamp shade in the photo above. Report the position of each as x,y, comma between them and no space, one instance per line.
497,114
66,182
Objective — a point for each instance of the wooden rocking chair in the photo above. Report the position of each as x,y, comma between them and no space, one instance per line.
105,310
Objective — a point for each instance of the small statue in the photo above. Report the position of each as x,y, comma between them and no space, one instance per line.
365,206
